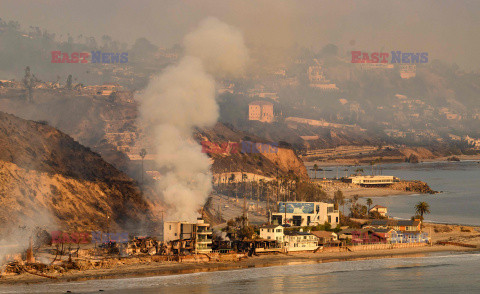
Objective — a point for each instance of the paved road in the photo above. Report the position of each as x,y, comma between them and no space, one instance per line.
231,208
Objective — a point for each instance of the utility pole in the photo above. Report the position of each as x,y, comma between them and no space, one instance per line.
142,154
278,188
258,196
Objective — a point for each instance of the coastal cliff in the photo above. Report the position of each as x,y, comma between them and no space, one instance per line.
413,186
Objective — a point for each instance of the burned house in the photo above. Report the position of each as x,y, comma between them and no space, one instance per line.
187,236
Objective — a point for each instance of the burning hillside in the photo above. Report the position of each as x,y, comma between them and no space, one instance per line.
48,179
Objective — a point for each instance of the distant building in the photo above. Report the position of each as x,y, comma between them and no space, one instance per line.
272,232
397,225
382,210
371,180
199,233
408,71
383,236
261,111
305,214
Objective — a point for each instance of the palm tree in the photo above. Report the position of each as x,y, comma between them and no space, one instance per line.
369,203
422,208
372,163
355,198
315,168
339,198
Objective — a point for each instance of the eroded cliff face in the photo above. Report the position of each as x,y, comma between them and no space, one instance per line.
49,179
286,160
265,164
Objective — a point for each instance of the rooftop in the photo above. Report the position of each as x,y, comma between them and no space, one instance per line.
260,103
270,226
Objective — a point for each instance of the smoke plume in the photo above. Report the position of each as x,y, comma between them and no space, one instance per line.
182,98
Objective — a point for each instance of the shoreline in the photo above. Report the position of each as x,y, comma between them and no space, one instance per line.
351,162
150,266
153,269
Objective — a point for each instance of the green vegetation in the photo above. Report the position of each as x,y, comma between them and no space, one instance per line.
422,208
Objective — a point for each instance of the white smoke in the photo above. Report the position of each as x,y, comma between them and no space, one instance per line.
181,98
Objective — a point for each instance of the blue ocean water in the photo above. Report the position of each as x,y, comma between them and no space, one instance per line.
459,183
438,273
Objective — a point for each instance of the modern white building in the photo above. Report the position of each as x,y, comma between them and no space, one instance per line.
199,233
305,214
272,232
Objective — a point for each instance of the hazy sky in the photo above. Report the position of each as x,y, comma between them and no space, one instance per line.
446,29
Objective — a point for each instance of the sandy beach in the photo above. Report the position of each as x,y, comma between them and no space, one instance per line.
147,266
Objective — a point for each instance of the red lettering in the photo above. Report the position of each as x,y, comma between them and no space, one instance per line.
235,148
365,58
65,58
83,238
55,236
84,56
384,56
375,57
75,57
207,147
75,237
56,56
224,147
65,238
355,56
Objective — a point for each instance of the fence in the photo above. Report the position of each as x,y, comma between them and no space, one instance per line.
384,246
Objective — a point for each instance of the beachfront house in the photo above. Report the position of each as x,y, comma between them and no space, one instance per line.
198,233
272,232
397,225
411,237
367,236
325,237
300,241
305,214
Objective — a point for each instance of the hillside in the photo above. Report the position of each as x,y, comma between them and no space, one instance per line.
285,159
47,178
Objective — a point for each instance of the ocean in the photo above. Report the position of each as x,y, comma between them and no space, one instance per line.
458,182
436,273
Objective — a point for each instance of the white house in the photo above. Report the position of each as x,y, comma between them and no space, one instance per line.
300,241
272,232
382,210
